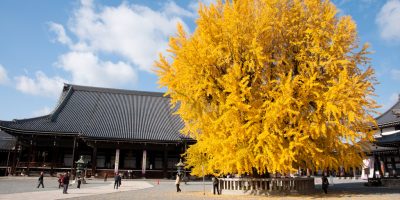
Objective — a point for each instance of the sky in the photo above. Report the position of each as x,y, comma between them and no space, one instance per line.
46,43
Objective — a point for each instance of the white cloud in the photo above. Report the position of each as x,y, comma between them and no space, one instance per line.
3,75
59,30
130,33
134,33
388,20
172,9
107,44
41,85
41,112
87,69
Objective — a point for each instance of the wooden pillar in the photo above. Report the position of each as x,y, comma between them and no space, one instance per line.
165,162
53,157
374,167
8,162
94,161
73,155
29,156
144,163
116,163
14,159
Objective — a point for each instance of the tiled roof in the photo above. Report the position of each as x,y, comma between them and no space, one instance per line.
391,117
102,113
7,141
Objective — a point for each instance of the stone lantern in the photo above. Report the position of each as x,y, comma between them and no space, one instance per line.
180,166
80,165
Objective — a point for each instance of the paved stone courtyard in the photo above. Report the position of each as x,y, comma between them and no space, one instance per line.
24,188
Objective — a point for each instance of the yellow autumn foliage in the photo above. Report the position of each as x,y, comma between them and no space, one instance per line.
271,85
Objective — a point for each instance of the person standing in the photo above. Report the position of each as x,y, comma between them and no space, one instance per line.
79,182
325,184
40,180
119,180
116,181
215,185
66,183
177,182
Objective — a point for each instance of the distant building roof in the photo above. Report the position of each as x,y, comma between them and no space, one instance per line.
391,117
102,113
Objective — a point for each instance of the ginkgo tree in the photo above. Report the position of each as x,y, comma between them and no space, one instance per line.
271,86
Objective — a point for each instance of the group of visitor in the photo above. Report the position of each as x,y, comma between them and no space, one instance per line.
214,181
63,181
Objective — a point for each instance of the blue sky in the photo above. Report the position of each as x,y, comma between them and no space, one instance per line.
46,43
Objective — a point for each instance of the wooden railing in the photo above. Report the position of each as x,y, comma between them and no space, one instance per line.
266,185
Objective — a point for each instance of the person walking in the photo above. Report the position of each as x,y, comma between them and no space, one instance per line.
177,182
325,184
60,181
215,185
66,183
116,181
79,182
40,180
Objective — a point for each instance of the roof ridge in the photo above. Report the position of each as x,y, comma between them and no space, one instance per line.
61,105
117,91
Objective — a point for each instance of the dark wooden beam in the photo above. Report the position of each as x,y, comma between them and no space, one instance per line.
73,155
14,159
94,160
165,162
29,156
53,156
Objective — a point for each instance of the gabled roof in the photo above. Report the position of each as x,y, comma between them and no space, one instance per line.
103,113
391,117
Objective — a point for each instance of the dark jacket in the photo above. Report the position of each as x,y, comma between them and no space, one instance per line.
325,182
66,180
119,179
215,181
40,178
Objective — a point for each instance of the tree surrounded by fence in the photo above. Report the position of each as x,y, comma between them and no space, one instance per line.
271,86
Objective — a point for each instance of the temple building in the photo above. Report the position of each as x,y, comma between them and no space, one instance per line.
114,130
7,143
384,158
